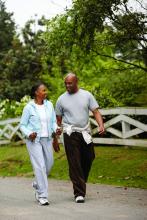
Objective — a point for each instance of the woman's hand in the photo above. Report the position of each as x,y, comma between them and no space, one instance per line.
33,136
56,144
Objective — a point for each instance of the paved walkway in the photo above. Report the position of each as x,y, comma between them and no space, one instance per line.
102,203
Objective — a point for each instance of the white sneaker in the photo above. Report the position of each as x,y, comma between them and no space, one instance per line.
43,201
79,199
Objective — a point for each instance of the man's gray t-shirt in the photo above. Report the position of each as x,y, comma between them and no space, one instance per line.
74,108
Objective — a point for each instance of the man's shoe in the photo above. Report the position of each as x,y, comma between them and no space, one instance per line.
43,201
79,199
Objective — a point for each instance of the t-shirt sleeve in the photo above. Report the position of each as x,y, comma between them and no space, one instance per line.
93,104
58,108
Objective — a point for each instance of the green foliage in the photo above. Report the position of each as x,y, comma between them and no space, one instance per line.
109,80
103,42
88,17
11,108
126,28
129,87
7,29
21,64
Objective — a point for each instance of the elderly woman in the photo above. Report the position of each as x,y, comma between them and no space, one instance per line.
38,123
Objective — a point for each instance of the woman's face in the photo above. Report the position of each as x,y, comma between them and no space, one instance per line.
41,92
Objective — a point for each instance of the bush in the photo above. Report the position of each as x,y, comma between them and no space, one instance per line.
12,109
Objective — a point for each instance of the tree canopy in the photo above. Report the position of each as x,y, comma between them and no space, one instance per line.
126,29
7,28
104,42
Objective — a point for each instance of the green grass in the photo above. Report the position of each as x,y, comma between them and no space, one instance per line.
113,165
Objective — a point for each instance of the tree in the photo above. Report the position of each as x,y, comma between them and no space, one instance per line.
7,29
97,63
21,65
126,29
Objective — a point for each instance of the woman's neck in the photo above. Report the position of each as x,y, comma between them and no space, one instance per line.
38,101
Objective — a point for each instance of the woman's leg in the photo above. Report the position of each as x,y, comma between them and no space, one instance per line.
47,153
37,159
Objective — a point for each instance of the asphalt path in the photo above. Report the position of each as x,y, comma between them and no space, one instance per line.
103,202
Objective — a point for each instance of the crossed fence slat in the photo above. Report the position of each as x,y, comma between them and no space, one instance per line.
9,129
129,128
125,133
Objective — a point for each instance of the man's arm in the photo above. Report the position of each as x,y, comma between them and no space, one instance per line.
99,120
59,120
55,134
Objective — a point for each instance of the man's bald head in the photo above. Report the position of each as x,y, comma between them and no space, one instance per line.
71,83
71,75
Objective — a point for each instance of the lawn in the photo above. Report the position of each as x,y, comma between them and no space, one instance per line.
119,166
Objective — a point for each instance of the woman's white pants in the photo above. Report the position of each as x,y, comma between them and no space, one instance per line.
41,156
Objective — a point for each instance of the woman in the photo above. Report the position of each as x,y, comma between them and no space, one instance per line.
38,123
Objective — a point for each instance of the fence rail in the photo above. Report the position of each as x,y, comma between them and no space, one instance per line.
124,126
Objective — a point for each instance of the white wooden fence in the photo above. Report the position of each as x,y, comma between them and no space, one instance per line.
9,131
122,128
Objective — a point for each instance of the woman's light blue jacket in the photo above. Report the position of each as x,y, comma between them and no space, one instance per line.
30,120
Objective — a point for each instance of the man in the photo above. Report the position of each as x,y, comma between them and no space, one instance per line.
72,111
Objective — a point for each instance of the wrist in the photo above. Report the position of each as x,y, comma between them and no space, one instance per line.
53,135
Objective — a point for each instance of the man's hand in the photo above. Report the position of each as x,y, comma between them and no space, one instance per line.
56,144
101,130
59,131
33,136
99,120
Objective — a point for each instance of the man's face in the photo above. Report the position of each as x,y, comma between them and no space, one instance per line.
71,84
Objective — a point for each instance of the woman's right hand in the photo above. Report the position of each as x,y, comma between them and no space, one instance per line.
33,136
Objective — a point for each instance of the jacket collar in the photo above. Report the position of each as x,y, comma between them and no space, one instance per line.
32,103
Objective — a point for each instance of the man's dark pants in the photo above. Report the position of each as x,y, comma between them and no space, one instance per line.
80,157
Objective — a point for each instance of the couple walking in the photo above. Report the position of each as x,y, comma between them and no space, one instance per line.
42,125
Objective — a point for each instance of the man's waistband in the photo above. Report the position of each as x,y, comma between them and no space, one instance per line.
67,128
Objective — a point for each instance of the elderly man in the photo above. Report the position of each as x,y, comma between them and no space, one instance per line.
72,111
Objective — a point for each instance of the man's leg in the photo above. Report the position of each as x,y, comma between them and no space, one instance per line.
88,155
72,147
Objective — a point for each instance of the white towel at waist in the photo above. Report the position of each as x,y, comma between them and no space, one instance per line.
85,131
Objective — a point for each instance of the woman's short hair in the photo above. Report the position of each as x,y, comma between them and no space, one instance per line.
34,88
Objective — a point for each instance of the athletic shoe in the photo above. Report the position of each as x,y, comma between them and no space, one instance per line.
79,199
43,201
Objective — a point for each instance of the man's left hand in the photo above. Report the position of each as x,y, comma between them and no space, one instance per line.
101,130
